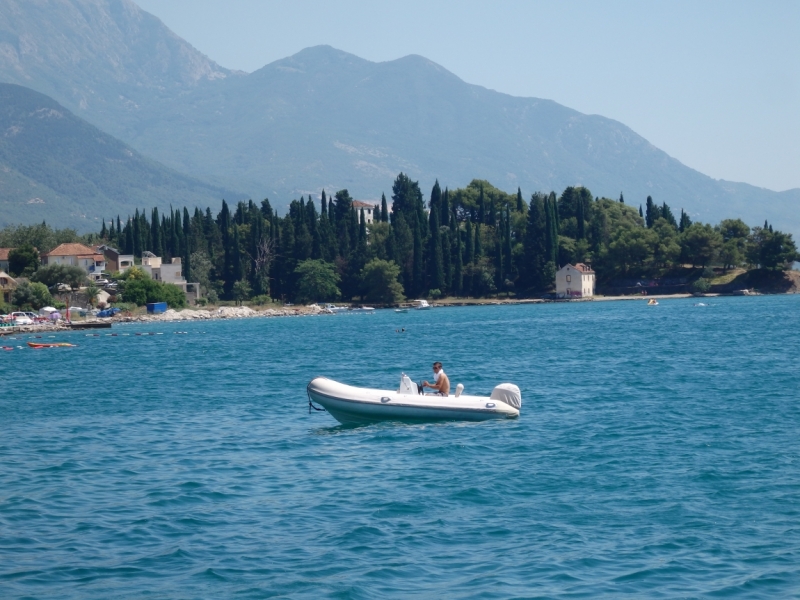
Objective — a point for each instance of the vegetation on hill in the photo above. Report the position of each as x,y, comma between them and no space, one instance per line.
54,166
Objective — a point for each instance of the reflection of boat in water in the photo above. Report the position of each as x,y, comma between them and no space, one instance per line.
51,345
652,302
349,404
421,305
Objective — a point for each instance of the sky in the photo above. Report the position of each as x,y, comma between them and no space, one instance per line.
715,84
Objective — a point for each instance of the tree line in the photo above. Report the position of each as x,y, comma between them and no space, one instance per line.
472,241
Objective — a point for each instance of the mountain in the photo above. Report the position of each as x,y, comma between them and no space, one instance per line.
326,118
57,167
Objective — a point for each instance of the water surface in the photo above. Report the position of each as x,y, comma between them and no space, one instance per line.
656,456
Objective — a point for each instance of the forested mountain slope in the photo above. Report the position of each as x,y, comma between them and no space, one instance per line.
56,167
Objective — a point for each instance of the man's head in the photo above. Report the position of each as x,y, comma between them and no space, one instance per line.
437,366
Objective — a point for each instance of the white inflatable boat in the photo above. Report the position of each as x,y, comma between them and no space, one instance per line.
350,405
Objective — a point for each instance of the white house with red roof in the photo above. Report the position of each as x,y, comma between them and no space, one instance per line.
77,255
369,210
575,281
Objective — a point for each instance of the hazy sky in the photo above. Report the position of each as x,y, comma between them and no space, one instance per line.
714,84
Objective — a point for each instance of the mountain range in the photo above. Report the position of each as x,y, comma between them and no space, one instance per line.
324,118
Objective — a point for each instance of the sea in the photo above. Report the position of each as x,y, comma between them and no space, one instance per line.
657,455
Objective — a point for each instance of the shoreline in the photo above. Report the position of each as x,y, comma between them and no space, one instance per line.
245,312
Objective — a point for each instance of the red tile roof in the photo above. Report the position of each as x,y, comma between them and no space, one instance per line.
360,204
70,250
4,253
584,268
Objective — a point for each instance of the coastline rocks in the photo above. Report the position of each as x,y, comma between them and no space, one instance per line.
224,312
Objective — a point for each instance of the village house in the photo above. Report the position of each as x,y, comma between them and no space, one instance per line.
114,260
4,258
77,255
369,210
7,286
169,273
575,281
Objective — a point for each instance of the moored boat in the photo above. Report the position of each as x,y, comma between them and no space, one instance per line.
352,405
421,305
50,345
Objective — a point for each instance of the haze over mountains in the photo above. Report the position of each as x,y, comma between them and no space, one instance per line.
325,118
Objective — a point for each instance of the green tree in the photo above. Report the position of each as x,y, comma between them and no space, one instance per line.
23,261
241,291
380,280
91,291
317,281
667,247
52,275
31,294
772,250
701,243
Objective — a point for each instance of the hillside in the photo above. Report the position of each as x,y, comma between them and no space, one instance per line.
56,167
326,118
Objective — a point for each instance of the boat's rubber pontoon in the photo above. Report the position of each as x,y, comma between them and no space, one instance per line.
351,405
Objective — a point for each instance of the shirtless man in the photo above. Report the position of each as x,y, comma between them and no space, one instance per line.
440,381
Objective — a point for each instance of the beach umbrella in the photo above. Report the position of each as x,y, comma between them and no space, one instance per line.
55,315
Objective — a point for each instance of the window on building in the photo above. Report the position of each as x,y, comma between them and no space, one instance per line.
569,278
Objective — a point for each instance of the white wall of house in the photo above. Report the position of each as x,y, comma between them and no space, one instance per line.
572,282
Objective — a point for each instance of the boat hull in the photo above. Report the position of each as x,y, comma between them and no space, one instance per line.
351,405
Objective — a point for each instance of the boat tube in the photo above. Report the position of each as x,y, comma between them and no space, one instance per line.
353,405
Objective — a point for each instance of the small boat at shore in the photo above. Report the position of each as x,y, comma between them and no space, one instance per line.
421,305
51,345
354,405
652,302
401,310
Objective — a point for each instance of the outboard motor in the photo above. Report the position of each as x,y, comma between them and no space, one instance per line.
508,393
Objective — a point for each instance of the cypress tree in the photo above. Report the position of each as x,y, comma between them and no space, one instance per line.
536,247
324,204
481,207
469,256
417,269
507,245
579,216
119,229
520,201
621,199
458,263
103,230
384,209
444,213
556,219
435,203
641,212
137,235
435,258
666,213
499,275
551,239
155,234
651,213
685,222
478,247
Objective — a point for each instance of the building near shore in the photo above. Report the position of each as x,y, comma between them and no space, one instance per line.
170,272
4,258
575,281
7,286
77,255
114,259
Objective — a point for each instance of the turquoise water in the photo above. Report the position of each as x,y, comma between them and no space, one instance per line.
657,455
